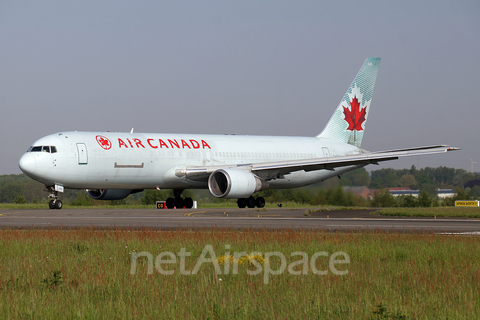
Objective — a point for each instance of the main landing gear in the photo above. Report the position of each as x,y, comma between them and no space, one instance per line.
55,203
251,202
179,202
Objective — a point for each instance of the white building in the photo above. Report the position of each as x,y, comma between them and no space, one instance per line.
442,193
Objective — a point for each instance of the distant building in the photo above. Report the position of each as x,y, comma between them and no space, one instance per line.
367,193
442,193
396,192
446,193
364,192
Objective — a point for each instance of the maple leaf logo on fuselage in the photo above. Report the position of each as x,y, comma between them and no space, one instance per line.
355,117
104,142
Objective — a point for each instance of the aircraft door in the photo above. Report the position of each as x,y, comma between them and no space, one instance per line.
82,153
326,153
207,158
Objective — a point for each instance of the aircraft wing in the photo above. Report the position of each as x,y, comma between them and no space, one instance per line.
276,170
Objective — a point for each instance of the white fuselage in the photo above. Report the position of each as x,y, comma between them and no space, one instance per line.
88,160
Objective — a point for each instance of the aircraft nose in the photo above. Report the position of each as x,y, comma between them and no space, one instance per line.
27,163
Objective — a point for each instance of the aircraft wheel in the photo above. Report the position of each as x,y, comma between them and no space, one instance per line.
51,205
242,203
251,202
58,204
170,203
179,203
188,203
260,202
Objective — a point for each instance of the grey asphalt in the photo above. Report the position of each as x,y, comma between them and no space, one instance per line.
275,219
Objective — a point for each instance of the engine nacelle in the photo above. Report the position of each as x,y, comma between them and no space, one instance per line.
235,183
110,194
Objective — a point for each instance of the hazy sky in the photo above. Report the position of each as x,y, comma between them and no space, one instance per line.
243,67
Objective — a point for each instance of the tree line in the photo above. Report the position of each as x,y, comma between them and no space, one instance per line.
425,178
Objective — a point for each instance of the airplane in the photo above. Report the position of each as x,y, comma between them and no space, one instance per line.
111,166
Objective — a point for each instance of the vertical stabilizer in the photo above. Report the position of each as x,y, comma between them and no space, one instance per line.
347,123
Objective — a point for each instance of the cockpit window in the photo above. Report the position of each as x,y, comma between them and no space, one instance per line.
49,149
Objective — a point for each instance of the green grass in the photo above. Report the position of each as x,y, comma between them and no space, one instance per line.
459,212
67,206
85,273
233,204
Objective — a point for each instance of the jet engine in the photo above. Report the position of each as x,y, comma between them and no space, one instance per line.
110,194
235,183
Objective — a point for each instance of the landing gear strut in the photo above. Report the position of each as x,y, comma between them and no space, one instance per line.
179,202
251,202
55,203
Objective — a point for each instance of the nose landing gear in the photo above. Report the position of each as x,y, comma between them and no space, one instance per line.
55,203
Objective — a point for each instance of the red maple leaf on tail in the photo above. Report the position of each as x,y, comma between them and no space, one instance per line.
356,117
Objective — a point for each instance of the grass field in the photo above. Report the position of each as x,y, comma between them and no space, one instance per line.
464,212
86,273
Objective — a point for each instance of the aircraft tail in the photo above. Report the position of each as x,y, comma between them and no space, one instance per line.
347,123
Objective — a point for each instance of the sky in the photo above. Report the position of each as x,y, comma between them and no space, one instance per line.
241,67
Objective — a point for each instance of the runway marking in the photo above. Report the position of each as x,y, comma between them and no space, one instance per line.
190,214
2,214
